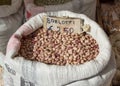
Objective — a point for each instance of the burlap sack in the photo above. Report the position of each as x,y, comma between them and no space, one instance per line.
87,7
115,40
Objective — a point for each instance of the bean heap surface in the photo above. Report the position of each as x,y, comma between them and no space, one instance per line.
55,48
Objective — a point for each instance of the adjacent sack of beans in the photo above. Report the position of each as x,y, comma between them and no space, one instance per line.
115,41
33,7
8,25
8,7
28,71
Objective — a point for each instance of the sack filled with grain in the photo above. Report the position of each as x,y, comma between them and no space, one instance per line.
21,71
33,7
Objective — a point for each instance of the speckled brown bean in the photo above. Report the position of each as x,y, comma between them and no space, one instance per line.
51,47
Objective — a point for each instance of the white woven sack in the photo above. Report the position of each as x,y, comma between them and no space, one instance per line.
8,25
21,72
6,10
102,79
